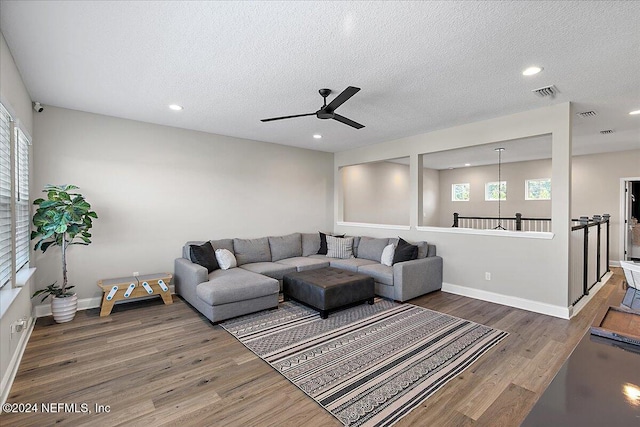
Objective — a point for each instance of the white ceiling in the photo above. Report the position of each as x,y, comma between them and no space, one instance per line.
422,66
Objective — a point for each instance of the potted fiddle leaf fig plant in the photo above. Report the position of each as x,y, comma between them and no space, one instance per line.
64,218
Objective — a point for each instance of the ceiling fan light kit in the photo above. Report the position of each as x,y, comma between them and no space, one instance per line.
327,111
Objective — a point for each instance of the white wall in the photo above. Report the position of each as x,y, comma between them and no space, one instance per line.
534,272
431,196
14,303
156,187
376,193
596,188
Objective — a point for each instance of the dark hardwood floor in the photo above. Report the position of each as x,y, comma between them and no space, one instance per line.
166,365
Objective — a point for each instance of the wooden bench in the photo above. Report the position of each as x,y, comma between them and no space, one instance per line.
124,288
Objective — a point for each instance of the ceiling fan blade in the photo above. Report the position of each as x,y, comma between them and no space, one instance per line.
287,117
346,121
342,98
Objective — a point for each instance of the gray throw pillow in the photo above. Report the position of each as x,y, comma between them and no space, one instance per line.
339,247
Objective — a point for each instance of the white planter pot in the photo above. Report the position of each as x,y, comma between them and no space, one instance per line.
64,309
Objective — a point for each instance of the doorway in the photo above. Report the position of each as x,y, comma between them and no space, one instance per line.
631,219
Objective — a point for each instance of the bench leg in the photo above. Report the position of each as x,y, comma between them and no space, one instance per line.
166,297
370,301
107,305
285,297
323,314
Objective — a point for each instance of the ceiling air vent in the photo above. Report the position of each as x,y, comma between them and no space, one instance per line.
547,91
587,114
606,132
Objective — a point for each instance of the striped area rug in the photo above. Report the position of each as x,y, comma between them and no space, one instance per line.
368,365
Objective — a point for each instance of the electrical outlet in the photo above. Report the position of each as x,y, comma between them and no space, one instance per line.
136,274
487,276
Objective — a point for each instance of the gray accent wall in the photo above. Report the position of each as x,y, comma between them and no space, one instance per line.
156,187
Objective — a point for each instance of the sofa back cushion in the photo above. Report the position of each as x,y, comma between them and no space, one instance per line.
371,248
288,246
252,250
223,244
310,243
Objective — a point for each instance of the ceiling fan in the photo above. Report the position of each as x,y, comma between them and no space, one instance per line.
327,111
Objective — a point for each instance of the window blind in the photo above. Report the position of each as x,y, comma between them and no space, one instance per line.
22,216
5,196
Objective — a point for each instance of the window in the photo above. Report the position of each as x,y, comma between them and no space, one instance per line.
5,196
495,190
460,192
15,218
537,189
23,218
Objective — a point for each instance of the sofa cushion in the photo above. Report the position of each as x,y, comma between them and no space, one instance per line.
323,242
423,247
223,244
380,273
226,259
285,246
340,247
252,250
305,263
237,284
371,248
350,264
405,251
271,269
387,255
186,249
205,256
310,243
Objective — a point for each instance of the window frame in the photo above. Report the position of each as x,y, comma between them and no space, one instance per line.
526,189
453,192
500,192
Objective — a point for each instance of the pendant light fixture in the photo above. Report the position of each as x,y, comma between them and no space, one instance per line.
499,150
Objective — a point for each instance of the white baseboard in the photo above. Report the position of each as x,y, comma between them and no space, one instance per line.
12,369
43,310
517,302
580,305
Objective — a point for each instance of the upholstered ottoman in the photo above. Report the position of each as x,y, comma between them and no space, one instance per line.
328,288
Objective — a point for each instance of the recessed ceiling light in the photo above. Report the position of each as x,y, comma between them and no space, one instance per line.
317,136
633,113
531,71
176,107
467,164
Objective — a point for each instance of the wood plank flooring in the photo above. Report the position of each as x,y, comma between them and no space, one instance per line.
156,365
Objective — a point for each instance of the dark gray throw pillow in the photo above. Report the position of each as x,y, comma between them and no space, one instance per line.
323,243
405,251
205,256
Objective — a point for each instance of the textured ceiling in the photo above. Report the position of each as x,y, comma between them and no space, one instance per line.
422,66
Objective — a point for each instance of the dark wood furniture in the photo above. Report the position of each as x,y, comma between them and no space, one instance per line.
328,288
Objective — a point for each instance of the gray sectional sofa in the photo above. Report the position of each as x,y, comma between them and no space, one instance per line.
255,284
